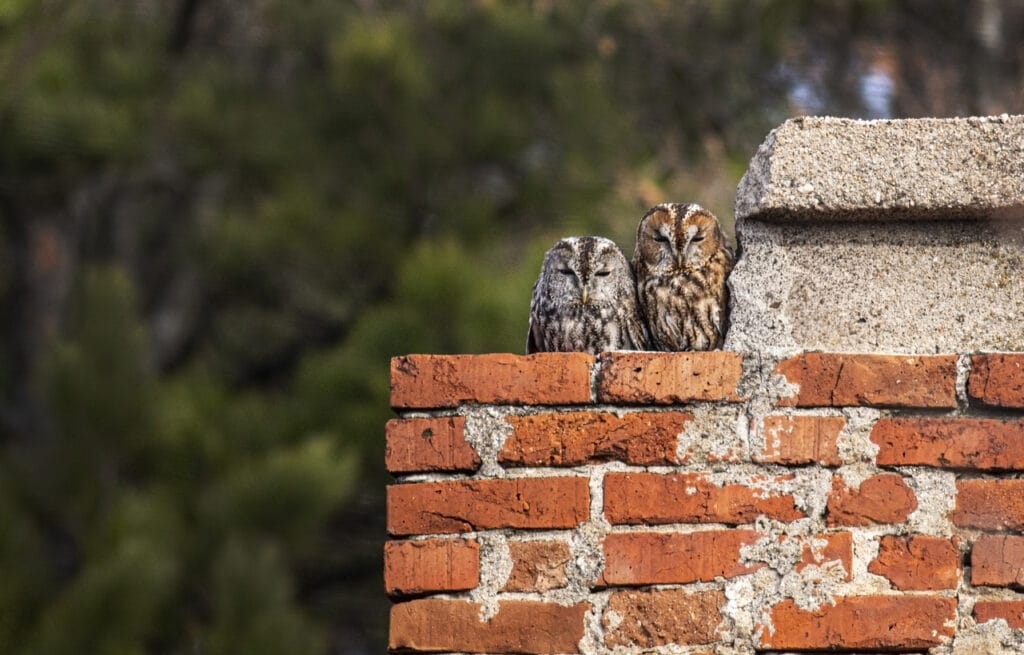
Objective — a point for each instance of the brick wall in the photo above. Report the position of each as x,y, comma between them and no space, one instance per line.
706,503
803,490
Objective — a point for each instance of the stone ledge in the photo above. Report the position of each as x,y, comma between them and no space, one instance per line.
838,169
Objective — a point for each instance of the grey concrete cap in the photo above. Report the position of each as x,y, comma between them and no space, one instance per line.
839,169
903,287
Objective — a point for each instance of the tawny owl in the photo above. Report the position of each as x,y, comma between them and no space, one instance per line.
681,263
585,300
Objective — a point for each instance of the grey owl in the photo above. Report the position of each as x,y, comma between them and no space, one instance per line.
681,264
585,300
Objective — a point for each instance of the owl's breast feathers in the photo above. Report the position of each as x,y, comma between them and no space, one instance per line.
685,311
587,327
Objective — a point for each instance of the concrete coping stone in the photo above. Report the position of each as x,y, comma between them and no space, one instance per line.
840,169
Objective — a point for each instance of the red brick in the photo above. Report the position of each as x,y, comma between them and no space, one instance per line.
838,547
467,505
977,443
668,378
689,498
918,562
644,558
997,380
520,626
796,440
998,561
662,617
429,444
884,498
836,380
1010,610
429,381
575,438
430,565
862,622
989,504
537,565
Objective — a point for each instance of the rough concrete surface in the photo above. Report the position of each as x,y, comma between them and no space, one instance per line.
844,169
909,287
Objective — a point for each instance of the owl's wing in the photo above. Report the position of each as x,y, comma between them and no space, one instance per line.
532,346
636,328
720,319
531,341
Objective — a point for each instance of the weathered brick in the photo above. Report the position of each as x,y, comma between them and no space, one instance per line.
989,504
668,378
575,438
430,565
998,561
984,444
836,380
889,623
520,626
1010,610
652,618
837,547
467,505
918,562
689,498
537,565
796,440
428,444
645,558
997,380
429,381
883,498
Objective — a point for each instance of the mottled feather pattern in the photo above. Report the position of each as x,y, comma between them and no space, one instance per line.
681,264
673,297
585,300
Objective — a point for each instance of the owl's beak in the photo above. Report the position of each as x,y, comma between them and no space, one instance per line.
584,295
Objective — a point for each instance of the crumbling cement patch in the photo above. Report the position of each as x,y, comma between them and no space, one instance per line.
486,431
936,498
716,436
495,568
991,638
854,439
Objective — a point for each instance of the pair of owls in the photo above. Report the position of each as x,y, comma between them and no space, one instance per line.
588,298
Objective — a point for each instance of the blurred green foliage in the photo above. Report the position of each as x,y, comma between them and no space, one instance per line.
219,220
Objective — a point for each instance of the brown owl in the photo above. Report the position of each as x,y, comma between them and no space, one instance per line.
585,300
681,263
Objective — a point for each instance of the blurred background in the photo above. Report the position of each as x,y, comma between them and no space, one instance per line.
219,219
